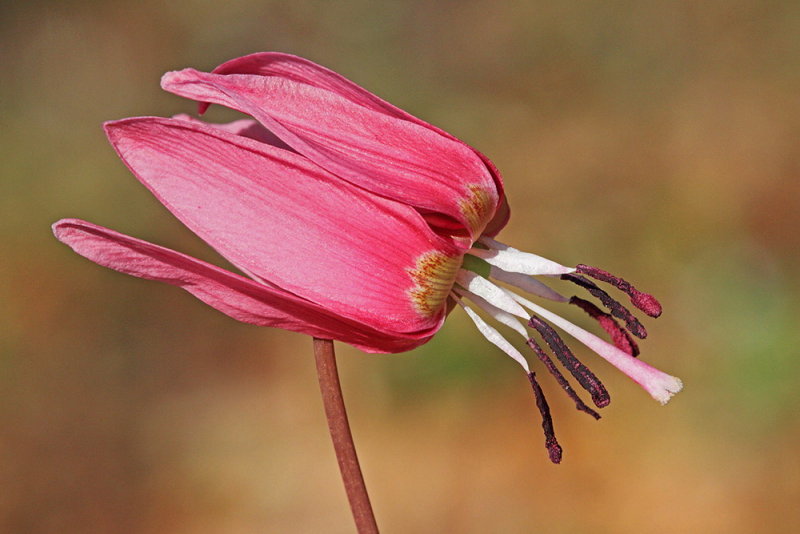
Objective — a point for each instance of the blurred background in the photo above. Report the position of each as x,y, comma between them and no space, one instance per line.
656,139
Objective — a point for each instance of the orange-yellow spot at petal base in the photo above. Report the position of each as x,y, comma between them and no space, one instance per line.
434,275
478,207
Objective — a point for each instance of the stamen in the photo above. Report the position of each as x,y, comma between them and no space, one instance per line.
582,374
644,301
619,336
494,337
548,362
512,322
494,312
491,293
617,310
516,261
550,441
527,283
658,384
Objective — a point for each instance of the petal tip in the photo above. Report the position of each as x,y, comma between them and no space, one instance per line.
170,77
113,128
56,228
109,127
60,226
173,78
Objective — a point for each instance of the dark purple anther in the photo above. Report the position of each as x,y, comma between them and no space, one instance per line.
550,441
562,381
644,301
617,310
582,374
619,336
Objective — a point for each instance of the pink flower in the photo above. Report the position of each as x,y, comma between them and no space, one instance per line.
350,220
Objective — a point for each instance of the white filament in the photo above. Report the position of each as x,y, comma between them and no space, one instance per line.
491,293
494,337
516,261
527,284
513,260
495,313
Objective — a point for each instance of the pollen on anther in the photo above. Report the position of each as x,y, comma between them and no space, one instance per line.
644,301
550,441
582,374
615,307
562,381
620,337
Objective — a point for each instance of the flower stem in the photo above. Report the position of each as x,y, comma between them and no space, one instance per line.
342,438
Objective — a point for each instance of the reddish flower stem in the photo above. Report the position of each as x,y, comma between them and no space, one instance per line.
342,438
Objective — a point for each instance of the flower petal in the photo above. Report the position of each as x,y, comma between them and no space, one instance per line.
232,294
283,220
302,70
501,217
389,156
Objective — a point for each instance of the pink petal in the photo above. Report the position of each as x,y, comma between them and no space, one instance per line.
389,156
230,293
283,220
301,70
500,219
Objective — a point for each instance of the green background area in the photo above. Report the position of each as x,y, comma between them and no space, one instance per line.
658,140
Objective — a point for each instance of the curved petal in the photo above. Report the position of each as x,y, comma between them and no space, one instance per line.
283,220
302,70
232,294
391,157
500,219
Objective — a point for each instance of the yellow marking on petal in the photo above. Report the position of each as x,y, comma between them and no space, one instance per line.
478,207
434,275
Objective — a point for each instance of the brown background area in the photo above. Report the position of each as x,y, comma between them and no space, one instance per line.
656,139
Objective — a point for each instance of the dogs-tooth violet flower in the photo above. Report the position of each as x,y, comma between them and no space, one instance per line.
351,220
